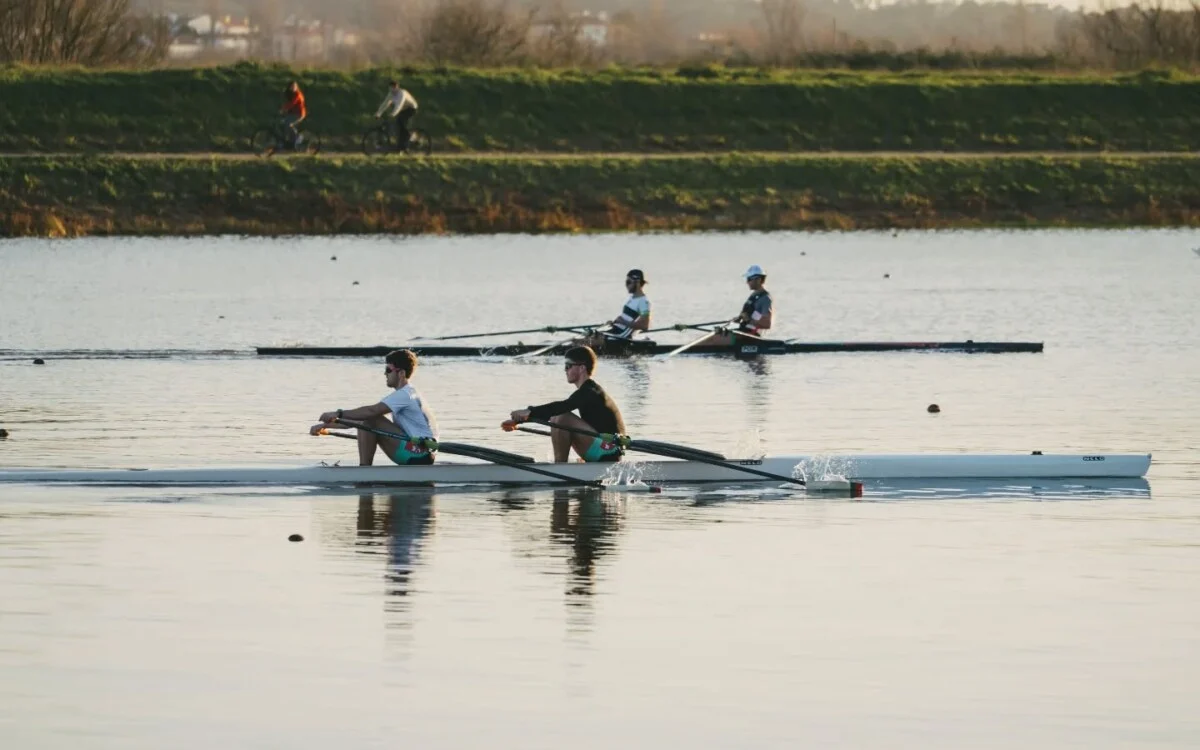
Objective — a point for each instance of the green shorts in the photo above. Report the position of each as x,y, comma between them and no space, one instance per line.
411,452
600,451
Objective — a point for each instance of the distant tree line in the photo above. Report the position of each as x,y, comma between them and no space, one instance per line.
785,33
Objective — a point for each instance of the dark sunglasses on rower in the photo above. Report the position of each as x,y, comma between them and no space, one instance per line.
569,365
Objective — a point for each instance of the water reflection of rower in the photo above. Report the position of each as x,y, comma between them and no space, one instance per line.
587,527
400,528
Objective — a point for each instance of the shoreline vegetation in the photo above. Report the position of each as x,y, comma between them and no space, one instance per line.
700,108
132,152
113,195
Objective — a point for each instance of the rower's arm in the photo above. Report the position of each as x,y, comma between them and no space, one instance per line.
764,321
554,408
359,414
642,323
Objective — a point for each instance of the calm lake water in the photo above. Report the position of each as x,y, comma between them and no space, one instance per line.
933,615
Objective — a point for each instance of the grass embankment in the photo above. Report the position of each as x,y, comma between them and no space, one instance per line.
704,109
112,195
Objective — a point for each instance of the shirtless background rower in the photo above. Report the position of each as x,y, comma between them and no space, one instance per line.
597,413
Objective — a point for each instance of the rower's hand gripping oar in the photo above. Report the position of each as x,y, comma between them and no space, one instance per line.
669,450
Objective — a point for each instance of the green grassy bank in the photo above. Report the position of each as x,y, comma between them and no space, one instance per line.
702,109
70,196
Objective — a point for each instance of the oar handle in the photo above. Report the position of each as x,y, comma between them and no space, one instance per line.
627,443
430,443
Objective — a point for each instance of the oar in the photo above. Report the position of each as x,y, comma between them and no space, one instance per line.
543,329
666,449
436,445
686,326
500,458
682,326
690,344
543,350
671,450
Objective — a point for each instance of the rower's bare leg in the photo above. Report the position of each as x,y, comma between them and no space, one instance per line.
368,441
563,441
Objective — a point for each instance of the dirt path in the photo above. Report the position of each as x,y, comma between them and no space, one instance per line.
220,156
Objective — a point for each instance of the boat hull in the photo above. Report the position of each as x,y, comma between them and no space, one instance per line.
854,467
752,349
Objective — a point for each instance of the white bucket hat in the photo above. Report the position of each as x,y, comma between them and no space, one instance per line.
754,270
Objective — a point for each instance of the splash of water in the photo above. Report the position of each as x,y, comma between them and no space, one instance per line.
624,473
819,468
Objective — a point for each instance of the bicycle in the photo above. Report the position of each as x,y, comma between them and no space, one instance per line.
378,139
274,138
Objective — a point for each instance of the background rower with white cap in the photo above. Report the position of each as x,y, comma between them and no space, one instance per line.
755,317
757,312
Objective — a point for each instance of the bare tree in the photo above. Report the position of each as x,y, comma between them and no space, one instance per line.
472,32
559,38
1144,33
784,35
87,32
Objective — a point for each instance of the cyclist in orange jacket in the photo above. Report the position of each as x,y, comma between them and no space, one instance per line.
294,111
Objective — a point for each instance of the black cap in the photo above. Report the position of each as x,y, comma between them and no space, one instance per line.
637,275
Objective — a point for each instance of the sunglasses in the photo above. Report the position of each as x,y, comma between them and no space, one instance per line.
569,365
388,370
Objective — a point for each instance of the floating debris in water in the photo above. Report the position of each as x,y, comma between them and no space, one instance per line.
887,276
295,538
354,284
934,409
3,433
333,257
39,361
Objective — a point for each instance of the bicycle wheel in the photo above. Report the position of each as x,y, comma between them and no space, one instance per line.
311,144
376,141
420,143
264,142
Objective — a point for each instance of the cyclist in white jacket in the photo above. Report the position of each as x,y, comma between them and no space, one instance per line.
401,107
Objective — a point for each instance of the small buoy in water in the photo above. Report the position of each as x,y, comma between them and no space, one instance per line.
220,317
333,257
887,276
295,538
3,433
934,409
803,253
354,284
39,361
